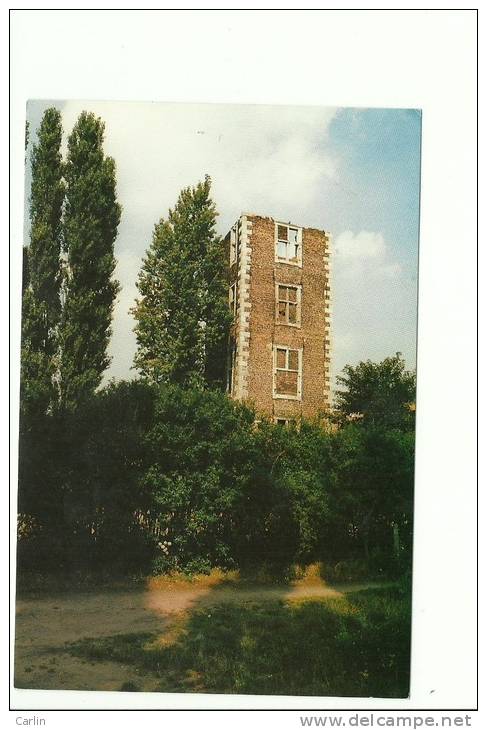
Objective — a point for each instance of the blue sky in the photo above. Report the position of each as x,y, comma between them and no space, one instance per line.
376,191
379,153
352,172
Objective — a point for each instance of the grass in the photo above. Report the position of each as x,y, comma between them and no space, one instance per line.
34,584
356,645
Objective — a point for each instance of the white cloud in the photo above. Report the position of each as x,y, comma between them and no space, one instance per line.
373,300
365,253
265,158
390,270
363,245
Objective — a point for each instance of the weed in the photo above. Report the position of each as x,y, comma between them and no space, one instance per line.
129,687
357,645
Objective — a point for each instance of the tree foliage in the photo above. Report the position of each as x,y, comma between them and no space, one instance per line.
41,305
372,486
82,483
182,317
91,219
227,492
104,458
200,458
382,393
189,480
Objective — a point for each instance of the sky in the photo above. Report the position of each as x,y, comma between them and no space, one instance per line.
354,173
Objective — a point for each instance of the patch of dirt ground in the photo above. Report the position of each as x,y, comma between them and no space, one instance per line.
44,625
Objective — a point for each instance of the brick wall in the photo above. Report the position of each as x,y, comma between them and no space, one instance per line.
256,330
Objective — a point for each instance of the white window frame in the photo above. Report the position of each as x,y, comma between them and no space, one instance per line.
233,244
286,259
299,289
275,369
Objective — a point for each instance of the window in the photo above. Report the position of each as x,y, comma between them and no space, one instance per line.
233,244
289,422
288,244
287,372
232,299
288,305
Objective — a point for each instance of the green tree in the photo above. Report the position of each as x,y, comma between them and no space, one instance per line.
183,317
102,462
82,490
41,305
373,484
91,219
382,393
215,314
200,457
287,501
229,492
26,138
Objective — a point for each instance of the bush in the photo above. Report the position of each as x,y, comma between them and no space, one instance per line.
227,492
163,478
371,488
41,552
84,493
349,570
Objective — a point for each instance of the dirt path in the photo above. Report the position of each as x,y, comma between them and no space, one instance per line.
45,625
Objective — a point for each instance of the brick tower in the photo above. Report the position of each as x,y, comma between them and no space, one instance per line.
279,293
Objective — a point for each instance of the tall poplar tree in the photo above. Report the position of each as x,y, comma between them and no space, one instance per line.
41,305
216,313
91,219
182,316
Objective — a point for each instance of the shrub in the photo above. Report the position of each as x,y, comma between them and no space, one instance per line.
165,478
227,492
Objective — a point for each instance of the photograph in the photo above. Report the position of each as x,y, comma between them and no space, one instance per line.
217,398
